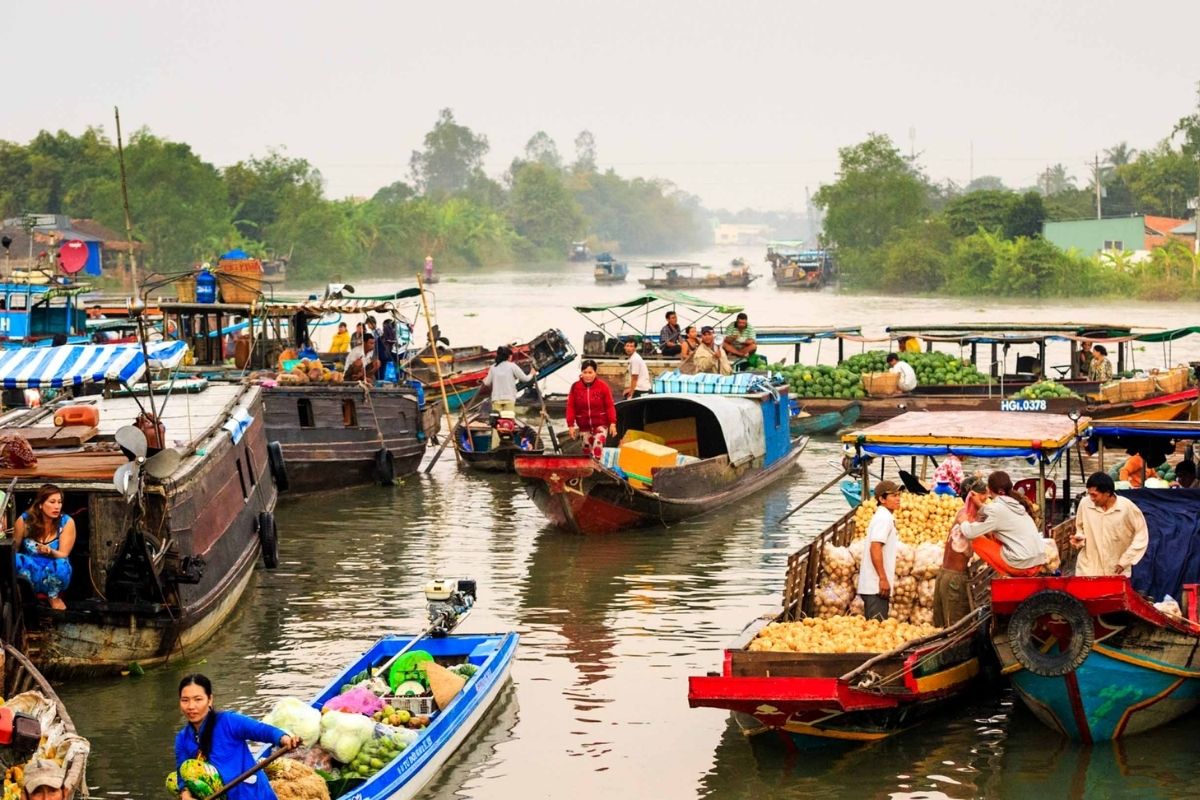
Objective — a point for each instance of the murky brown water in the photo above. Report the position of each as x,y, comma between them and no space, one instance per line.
611,626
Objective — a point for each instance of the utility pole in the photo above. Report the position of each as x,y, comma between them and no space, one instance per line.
1096,180
125,199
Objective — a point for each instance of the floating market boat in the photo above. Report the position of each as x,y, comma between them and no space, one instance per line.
324,433
1092,657
165,545
673,277
808,698
799,268
609,270
33,314
473,440
490,657
717,449
805,424
579,252
464,369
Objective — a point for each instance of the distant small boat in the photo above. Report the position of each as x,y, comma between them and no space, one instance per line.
804,424
579,251
736,277
473,440
609,270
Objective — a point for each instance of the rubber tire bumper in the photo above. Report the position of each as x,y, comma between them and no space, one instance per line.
385,466
278,465
1071,612
268,539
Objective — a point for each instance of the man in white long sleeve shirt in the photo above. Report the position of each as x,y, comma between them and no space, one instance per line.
1111,530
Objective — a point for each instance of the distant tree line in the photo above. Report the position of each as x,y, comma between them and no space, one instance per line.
187,210
897,231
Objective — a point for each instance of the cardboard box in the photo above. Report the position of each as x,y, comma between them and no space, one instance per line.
639,458
677,433
633,436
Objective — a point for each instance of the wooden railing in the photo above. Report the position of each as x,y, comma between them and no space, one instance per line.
804,567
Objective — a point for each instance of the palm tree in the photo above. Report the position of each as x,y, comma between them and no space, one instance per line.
1119,154
1055,180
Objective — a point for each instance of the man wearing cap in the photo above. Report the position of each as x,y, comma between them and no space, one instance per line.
739,338
877,575
707,357
44,780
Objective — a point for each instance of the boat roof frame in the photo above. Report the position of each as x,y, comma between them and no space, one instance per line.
913,433
652,302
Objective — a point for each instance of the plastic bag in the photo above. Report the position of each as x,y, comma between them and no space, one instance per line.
297,718
1053,562
838,565
1168,605
927,561
344,734
359,700
857,607
925,591
905,556
856,550
832,599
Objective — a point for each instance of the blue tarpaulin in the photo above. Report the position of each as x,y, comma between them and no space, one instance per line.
236,254
74,365
1173,556
92,265
959,450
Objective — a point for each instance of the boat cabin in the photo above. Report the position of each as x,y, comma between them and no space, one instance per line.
34,314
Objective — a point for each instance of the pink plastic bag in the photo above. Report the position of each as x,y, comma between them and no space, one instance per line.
359,700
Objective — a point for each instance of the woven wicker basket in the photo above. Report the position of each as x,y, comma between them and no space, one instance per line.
240,281
881,384
185,289
1111,391
1136,388
1172,380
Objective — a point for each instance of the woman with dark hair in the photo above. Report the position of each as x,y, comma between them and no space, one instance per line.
590,409
1015,546
1101,369
44,538
689,342
219,739
502,379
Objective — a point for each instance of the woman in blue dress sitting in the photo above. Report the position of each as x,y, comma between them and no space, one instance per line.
44,537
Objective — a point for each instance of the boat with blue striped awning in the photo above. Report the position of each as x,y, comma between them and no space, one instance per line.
75,365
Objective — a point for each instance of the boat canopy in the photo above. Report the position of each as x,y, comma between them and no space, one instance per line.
75,365
724,425
1017,333
1169,336
789,335
1151,429
664,298
986,434
348,305
645,313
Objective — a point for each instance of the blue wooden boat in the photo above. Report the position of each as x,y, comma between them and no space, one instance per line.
802,424
32,314
1092,657
413,768
609,270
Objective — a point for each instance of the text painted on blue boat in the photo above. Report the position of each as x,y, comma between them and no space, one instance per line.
1022,405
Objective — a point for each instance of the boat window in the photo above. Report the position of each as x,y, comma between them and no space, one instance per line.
304,406
242,480
17,300
349,414
250,467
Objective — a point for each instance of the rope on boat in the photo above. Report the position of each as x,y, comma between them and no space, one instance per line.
963,630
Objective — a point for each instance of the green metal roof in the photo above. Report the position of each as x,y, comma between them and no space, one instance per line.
675,298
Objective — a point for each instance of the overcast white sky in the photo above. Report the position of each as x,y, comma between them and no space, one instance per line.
743,103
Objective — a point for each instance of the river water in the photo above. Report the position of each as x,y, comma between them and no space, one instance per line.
611,627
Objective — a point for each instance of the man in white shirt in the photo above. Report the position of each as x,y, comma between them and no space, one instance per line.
908,376
877,575
639,373
1111,530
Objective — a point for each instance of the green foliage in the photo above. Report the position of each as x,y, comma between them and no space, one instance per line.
987,209
876,193
541,209
1025,216
453,155
919,259
1160,180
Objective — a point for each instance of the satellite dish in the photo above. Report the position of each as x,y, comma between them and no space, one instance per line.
132,441
72,256
163,463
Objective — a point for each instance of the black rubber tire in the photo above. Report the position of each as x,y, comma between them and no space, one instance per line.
268,539
1071,612
278,466
385,467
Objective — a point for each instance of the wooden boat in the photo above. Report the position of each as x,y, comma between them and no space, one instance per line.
161,560
464,369
27,690
609,270
805,424
673,277
473,440
805,698
579,252
1092,657
798,268
416,765
730,447
33,313
329,435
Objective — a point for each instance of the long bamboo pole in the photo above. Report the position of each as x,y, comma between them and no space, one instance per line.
133,276
437,361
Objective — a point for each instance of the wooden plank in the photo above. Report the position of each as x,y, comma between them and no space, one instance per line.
51,436
86,466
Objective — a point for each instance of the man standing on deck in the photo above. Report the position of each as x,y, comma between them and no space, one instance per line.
639,375
1111,531
877,575
707,357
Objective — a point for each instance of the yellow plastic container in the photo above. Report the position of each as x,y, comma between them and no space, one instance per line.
637,459
633,436
677,433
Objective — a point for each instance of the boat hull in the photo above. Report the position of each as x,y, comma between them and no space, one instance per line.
829,422
498,460
331,435
577,494
1139,673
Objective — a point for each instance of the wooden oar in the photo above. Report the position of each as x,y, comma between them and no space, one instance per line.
450,436
814,495
280,753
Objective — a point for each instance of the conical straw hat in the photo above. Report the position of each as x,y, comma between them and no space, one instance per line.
442,682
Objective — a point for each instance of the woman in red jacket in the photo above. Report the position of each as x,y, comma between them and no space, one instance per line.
590,409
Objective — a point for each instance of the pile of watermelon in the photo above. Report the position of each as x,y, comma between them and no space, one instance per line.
845,380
